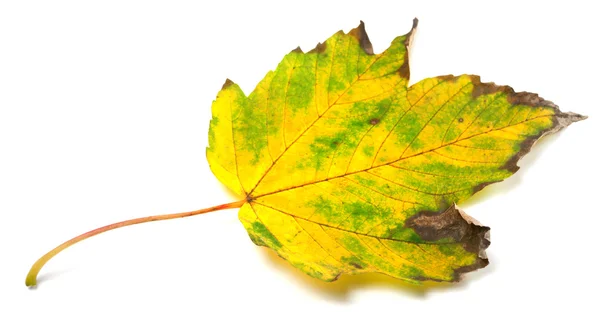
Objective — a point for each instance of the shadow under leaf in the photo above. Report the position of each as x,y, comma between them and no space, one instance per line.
342,288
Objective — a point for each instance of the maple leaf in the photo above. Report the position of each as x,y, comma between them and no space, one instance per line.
347,170
344,169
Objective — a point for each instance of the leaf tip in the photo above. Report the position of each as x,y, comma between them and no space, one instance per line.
560,120
319,48
228,83
411,33
404,70
363,39
415,24
565,119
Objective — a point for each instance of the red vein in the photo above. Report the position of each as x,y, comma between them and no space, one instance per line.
316,120
453,119
400,119
479,114
372,97
359,197
413,189
358,233
401,159
364,135
479,148
433,116
425,173
316,241
382,194
469,161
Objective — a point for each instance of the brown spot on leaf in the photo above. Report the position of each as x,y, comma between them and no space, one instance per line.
356,265
374,121
361,35
453,223
460,120
297,50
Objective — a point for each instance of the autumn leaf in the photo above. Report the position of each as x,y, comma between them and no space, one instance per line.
347,170
342,168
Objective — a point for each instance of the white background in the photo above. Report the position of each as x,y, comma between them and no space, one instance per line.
104,116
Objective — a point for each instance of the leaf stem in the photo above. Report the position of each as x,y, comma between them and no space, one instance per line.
31,279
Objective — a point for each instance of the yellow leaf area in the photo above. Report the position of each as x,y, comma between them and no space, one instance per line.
345,169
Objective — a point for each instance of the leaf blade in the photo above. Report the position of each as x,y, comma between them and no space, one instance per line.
347,170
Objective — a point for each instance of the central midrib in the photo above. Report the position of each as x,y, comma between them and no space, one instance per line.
388,163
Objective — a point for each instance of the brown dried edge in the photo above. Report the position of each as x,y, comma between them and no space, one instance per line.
361,35
560,119
228,83
404,70
455,224
365,43
363,39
